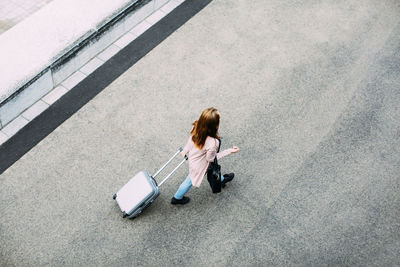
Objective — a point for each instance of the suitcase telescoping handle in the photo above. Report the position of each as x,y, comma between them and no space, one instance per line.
165,165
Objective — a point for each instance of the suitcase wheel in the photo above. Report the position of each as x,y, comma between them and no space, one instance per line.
114,196
124,214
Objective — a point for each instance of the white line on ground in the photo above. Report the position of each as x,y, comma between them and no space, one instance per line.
92,65
54,95
14,126
35,110
73,80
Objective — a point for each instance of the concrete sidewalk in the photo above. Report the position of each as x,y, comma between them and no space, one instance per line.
308,91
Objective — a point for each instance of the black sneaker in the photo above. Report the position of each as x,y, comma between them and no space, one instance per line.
227,178
182,201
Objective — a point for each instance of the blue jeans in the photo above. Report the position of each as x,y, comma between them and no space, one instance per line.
185,186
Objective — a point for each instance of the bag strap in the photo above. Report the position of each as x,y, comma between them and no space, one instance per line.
219,147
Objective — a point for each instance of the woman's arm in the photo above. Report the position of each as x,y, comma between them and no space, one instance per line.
224,153
212,152
187,147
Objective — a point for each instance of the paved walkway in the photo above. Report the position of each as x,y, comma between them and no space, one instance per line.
14,11
308,91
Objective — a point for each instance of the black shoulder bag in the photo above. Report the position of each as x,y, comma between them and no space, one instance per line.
214,174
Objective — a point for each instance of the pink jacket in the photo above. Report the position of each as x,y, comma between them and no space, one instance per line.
199,159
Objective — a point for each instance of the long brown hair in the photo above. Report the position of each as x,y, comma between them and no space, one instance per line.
206,125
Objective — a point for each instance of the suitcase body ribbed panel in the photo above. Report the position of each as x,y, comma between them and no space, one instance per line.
137,194
141,190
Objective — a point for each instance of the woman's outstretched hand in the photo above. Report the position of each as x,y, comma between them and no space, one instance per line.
235,149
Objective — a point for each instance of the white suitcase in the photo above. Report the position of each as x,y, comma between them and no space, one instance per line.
141,190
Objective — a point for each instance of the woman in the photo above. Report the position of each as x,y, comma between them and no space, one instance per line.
201,148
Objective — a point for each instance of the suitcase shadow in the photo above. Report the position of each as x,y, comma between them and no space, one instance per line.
202,201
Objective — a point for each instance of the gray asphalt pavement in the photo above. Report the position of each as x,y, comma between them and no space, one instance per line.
310,93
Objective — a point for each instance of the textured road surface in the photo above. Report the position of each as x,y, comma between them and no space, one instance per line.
310,92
